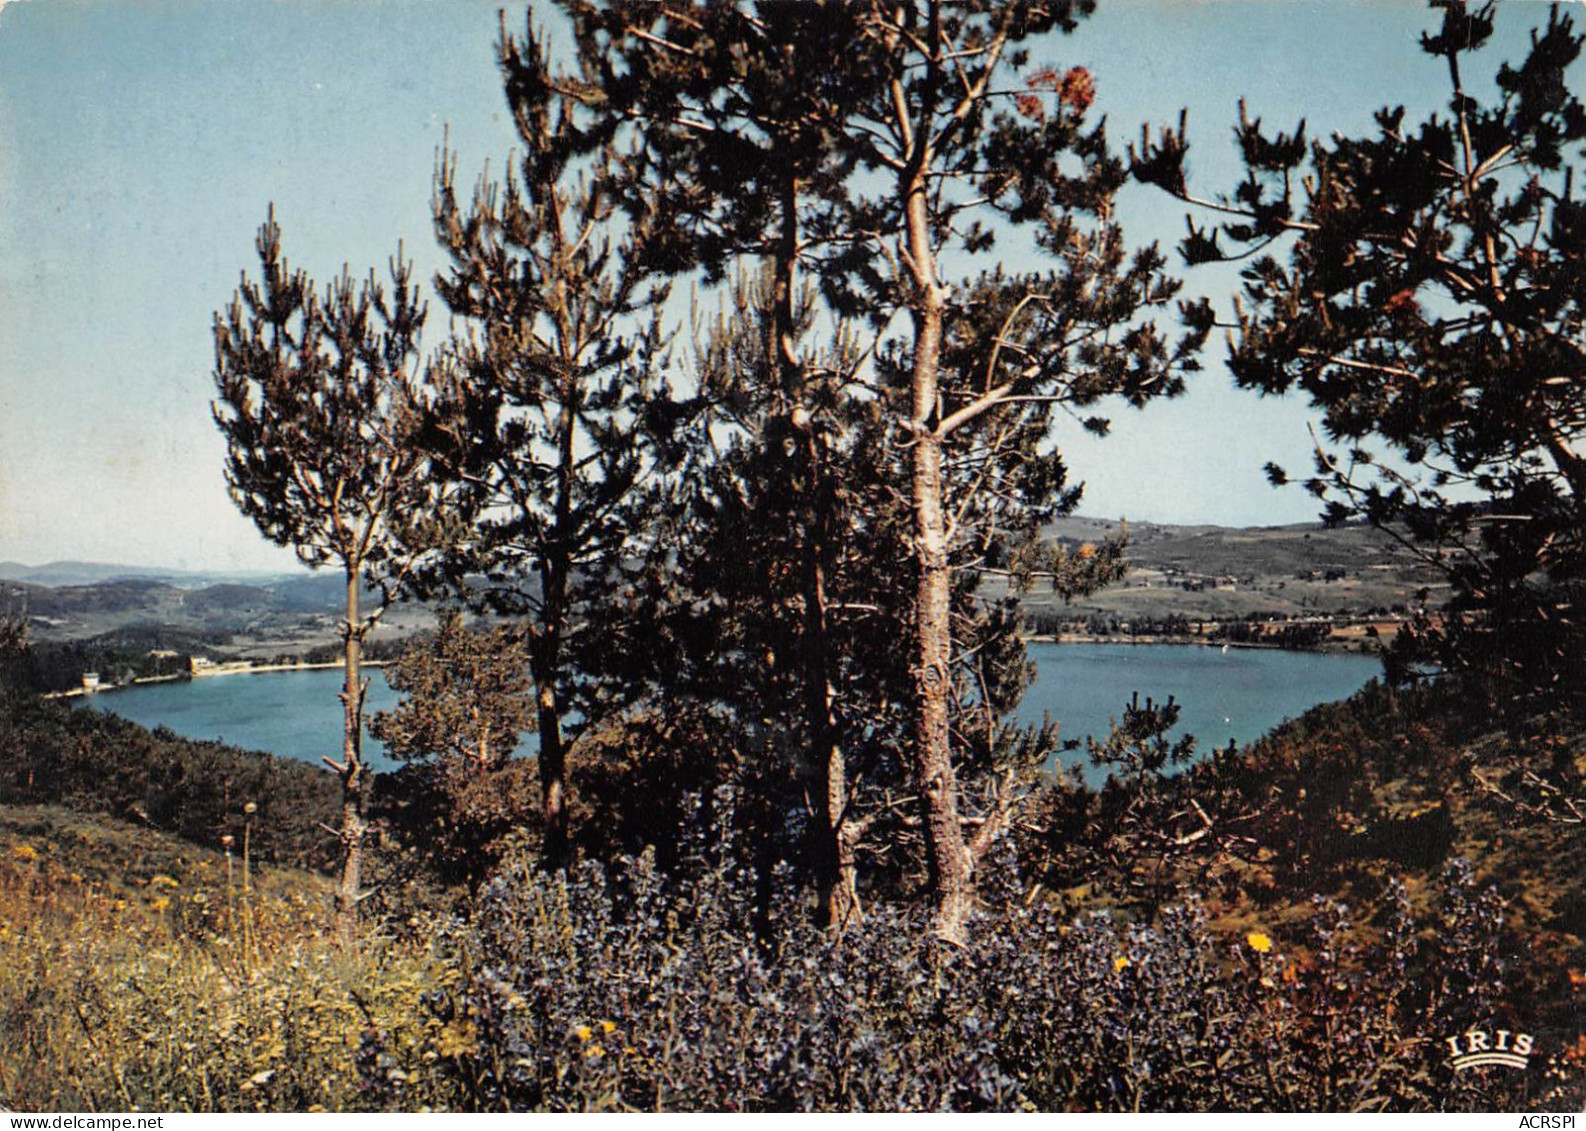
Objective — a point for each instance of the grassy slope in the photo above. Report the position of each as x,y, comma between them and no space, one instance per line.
138,973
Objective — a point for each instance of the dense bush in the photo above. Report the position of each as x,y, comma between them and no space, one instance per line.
1383,780
632,988
455,823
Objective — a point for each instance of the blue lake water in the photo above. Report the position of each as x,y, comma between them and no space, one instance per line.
1239,694
293,714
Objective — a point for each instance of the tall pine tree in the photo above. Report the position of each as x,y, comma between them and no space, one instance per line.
740,109
320,403
967,136
549,396
887,156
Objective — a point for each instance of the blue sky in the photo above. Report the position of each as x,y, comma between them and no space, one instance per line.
141,141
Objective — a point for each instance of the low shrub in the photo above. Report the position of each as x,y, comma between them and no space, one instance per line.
630,988
455,822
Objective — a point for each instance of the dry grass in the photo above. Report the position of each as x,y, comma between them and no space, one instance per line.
135,975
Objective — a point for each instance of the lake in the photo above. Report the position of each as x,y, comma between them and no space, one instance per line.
1239,694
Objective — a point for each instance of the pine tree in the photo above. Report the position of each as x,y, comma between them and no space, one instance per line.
550,412
738,109
320,405
962,144
467,698
885,155
1425,287
774,495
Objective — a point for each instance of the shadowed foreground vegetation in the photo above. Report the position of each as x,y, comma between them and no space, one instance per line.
1340,935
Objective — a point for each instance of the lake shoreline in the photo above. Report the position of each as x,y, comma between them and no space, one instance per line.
212,671
228,668
1324,648
259,669
1239,693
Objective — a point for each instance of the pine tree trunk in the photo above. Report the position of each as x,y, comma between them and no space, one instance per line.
833,852
555,571
553,769
947,858
832,849
545,660
351,769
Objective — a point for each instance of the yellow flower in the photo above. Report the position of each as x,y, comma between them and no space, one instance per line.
608,1027
458,1038
1121,963
583,1032
24,852
1259,942
160,903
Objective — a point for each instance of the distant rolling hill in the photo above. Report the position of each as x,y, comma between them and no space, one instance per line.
56,574
1218,572
1210,572
286,614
